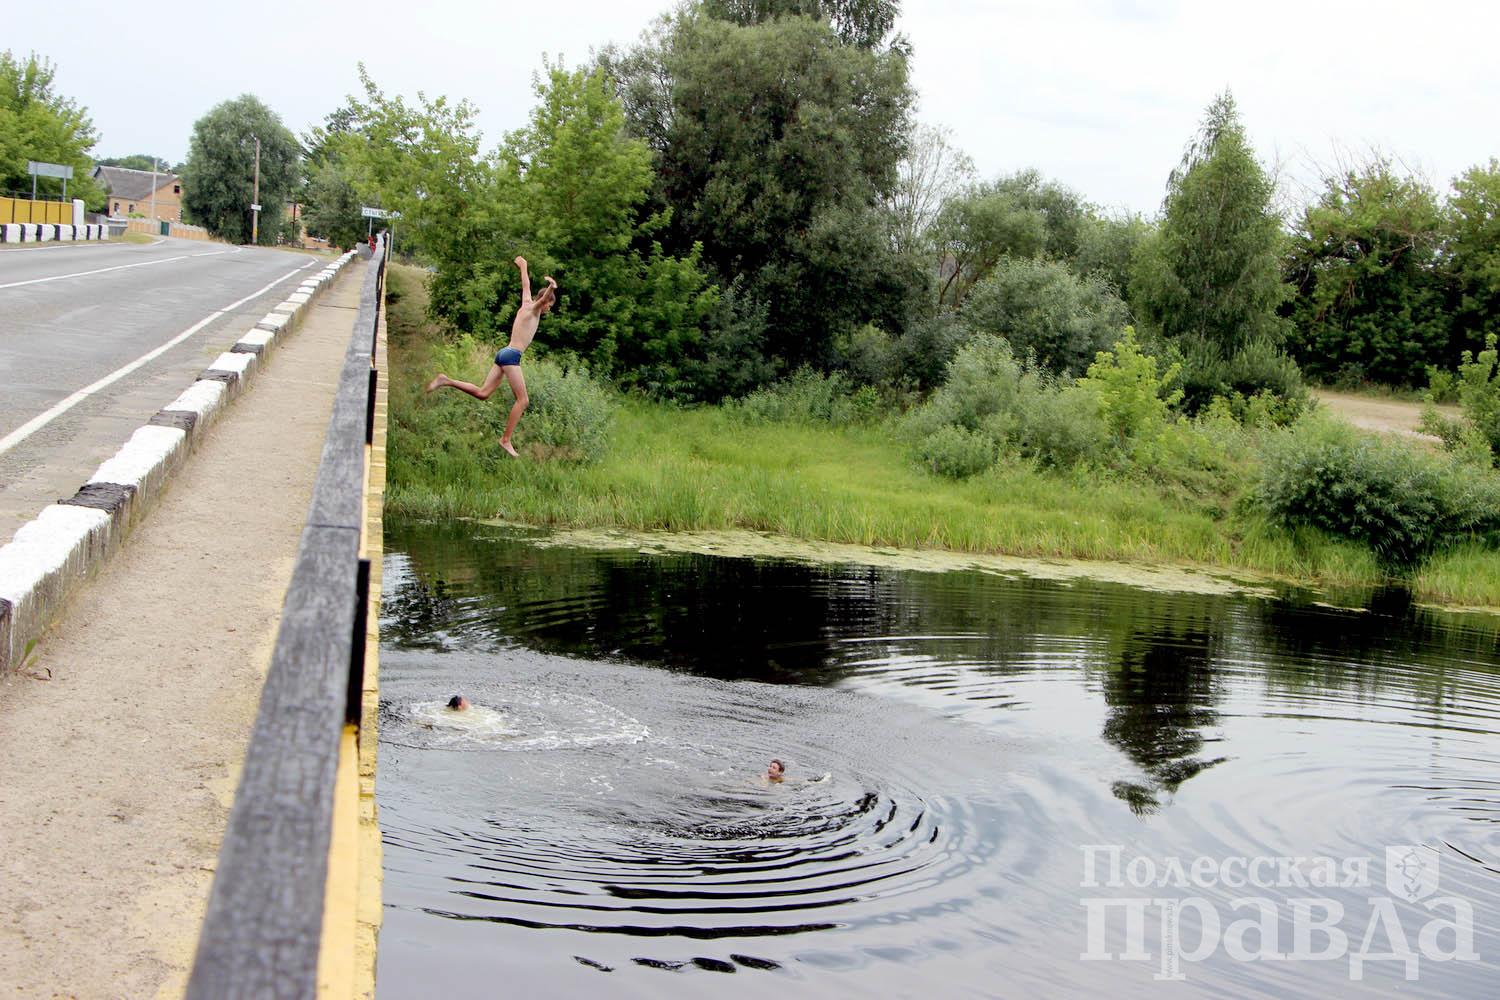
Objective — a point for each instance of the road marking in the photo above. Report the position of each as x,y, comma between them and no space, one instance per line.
36,423
101,270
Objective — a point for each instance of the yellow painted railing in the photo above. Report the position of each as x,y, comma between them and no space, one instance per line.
25,210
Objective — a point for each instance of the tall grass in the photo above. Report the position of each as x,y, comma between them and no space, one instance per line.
674,469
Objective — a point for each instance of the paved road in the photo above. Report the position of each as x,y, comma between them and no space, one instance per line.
75,315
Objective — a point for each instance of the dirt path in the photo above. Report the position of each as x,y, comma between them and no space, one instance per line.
1389,416
116,774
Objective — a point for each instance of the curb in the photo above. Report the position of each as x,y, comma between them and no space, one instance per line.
44,232
51,554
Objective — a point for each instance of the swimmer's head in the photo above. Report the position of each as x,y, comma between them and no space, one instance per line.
458,703
775,771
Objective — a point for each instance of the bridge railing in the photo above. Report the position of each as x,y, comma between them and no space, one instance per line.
263,929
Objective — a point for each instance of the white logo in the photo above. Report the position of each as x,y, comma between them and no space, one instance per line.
1411,872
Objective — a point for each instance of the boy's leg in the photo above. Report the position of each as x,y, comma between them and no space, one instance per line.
518,386
491,382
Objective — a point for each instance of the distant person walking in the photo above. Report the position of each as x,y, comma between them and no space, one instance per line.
508,359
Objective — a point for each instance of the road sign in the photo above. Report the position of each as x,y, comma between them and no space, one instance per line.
255,208
49,169
373,213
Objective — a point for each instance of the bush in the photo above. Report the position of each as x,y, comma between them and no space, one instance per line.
1043,308
956,452
1399,500
1134,398
924,351
1254,370
810,397
568,418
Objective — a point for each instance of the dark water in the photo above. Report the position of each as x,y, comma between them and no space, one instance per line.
954,743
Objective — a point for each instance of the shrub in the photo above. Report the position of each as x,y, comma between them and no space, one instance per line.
1399,500
956,452
568,418
811,397
1134,398
1043,308
924,351
1255,369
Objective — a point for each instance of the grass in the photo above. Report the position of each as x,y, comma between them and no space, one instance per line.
674,469
136,238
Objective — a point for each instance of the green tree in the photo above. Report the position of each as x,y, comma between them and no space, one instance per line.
1042,308
1019,215
1473,224
775,143
140,161
333,207
1210,278
37,123
863,23
218,179
577,183
1370,292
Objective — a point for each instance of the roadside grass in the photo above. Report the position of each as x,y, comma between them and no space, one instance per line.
669,468
141,238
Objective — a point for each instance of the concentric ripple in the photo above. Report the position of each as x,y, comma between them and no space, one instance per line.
953,743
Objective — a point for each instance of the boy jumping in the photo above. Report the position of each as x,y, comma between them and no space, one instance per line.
508,361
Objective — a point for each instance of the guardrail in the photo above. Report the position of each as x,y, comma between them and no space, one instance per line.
263,930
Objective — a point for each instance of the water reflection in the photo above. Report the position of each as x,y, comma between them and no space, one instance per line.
976,729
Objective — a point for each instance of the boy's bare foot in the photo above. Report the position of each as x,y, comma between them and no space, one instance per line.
509,448
437,383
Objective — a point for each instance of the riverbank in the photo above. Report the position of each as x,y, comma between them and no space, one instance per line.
668,468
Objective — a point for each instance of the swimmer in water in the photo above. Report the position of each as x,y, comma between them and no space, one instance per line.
775,771
458,703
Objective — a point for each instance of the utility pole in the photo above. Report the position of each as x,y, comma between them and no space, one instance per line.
255,198
153,189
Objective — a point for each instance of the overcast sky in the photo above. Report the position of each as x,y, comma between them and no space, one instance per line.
1099,94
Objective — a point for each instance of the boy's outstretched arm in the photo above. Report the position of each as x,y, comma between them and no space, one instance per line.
525,282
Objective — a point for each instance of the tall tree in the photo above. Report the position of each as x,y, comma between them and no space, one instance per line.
1473,222
219,177
932,171
864,23
577,183
1018,215
37,123
1213,271
1370,295
775,143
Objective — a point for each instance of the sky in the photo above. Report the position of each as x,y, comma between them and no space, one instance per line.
1100,95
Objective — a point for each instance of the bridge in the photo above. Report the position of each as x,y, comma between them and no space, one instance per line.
170,402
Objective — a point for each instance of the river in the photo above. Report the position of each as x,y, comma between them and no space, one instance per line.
997,785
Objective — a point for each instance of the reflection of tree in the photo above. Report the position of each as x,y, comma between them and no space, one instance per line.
1160,693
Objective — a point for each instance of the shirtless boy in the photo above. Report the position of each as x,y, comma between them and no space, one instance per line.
508,361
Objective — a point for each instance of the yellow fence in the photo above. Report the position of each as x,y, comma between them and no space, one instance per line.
25,210
152,227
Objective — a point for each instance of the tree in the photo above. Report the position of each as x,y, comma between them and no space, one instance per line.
139,161
775,143
1042,308
1019,215
218,179
576,183
36,123
1473,224
932,171
1370,293
1213,271
333,207
862,23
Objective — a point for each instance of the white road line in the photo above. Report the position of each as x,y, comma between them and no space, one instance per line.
101,270
36,423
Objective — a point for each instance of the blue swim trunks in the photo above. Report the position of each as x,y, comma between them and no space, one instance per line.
508,356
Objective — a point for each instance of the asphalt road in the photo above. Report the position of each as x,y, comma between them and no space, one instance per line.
75,315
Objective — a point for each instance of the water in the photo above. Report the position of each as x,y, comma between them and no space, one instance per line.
600,822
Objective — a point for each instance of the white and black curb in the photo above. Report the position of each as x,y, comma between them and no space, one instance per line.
68,540
46,232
